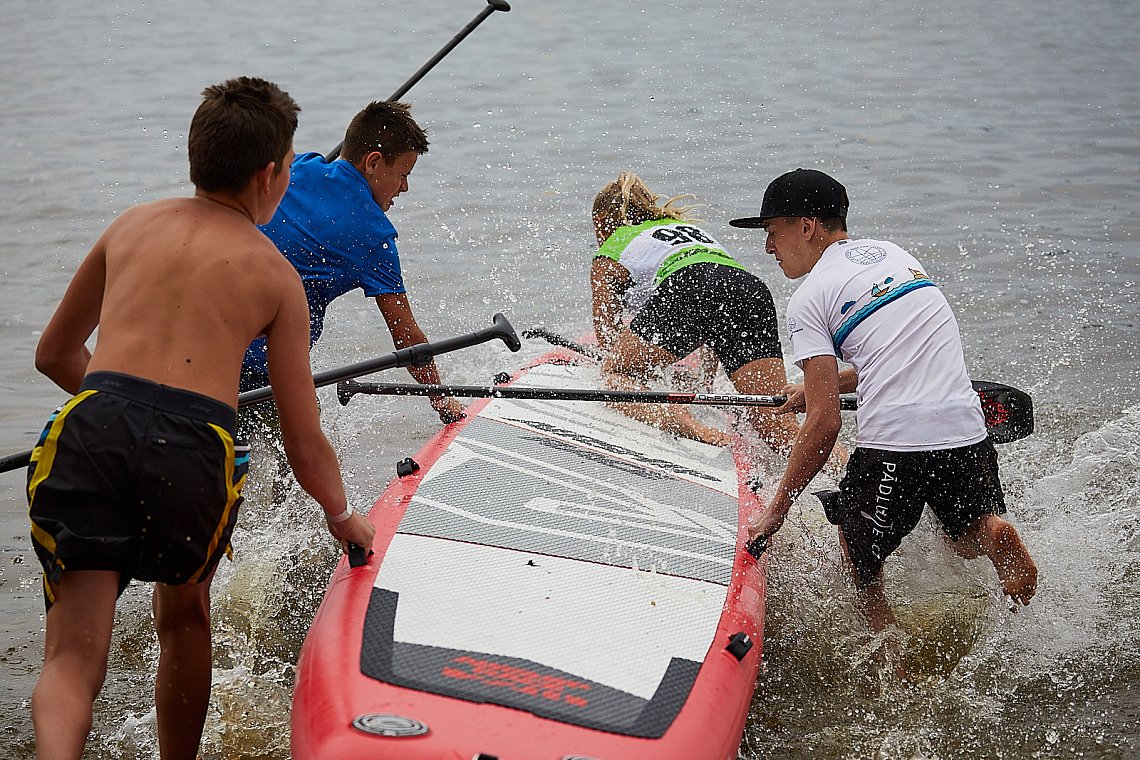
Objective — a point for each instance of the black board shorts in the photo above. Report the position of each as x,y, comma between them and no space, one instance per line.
728,309
882,495
138,478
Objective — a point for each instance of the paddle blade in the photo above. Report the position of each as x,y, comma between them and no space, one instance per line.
345,390
1008,411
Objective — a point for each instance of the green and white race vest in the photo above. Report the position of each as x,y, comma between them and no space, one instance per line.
654,250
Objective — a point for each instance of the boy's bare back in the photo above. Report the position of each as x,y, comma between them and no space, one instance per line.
179,289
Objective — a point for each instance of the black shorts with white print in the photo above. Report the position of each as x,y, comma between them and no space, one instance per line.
883,493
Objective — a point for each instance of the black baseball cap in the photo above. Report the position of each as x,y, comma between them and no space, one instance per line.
803,192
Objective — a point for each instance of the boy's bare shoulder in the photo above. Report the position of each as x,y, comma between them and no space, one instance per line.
205,228
190,247
181,218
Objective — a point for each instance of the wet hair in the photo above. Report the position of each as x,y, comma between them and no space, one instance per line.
386,127
628,201
241,125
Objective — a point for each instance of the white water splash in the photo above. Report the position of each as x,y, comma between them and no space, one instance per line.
1042,679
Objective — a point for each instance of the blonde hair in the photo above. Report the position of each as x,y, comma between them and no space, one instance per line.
628,201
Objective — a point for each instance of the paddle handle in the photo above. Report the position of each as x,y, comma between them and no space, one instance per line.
555,339
491,7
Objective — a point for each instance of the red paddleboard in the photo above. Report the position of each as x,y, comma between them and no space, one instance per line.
554,580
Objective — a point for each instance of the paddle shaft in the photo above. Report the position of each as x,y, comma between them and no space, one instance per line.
346,390
1008,411
491,7
416,356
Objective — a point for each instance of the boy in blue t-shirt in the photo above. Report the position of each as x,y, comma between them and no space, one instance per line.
333,227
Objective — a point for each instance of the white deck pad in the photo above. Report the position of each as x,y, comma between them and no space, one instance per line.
556,611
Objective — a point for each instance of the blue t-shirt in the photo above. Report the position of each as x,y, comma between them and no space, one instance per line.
336,236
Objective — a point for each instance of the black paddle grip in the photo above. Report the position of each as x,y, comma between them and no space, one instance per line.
757,546
356,556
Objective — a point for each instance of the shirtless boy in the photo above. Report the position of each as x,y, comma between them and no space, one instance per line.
139,475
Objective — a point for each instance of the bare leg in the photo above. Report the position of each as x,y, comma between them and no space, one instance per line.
880,616
701,380
767,377
78,637
182,687
630,363
965,547
998,540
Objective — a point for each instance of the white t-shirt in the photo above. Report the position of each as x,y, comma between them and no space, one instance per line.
870,303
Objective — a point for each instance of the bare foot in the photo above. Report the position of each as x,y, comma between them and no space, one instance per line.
1015,568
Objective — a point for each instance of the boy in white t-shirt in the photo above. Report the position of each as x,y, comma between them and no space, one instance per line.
921,433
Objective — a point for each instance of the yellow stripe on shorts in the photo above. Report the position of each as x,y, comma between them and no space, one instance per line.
43,456
233,493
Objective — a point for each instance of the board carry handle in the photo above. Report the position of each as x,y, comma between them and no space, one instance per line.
356,556
757,546
416,356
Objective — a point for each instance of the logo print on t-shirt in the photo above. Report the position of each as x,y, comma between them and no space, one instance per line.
865,254
877,291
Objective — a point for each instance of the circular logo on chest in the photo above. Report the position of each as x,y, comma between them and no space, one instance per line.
865,254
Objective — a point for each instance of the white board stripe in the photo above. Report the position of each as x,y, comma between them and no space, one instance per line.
615,626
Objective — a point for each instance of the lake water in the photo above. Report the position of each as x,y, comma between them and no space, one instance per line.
997,141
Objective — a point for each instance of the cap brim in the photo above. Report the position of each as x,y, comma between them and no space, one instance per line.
750,222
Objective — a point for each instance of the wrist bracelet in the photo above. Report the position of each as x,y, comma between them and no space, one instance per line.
347,513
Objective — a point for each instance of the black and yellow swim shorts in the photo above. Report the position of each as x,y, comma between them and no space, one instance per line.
135,477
